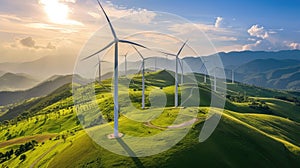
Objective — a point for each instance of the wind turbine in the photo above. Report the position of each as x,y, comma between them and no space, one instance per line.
155,64
181,67
205,70
99,66
176,71
115,42
125,63
143,76
215,80
232,76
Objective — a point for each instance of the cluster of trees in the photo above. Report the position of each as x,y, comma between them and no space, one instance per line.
6,156
290,99
260,105
240,98
19,151
25,147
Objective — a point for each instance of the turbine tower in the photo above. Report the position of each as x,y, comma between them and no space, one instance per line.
155,64
99,71
181,66
176,71
232,76
215,80
204,70
143,76
115,42
125,63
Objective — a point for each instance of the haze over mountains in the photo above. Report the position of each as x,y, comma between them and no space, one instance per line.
278,70
42,89
59,65
12,82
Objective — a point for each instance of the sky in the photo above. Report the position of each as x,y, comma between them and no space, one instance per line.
33,29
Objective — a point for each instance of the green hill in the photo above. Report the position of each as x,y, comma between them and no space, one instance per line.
256,129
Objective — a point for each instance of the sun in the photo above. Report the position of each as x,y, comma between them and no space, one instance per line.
57,11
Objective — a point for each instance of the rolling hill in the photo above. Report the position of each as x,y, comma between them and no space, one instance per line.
245,136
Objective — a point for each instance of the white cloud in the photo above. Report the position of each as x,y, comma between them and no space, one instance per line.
251,39
294,46
218,22
259,32
252,46
225,38
29,42
140,15
189,28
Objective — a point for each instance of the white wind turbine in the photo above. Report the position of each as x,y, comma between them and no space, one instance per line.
176,71
116,41
215,80
143,76
125,63
100,71
204,70
232,76
181,67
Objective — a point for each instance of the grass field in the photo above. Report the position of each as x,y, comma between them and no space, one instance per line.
245,137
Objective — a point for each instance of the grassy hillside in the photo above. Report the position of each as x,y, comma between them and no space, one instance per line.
246,136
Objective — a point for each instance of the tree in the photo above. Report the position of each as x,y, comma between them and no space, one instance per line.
64,137
23,157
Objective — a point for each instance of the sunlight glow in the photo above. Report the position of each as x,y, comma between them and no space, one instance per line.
57,11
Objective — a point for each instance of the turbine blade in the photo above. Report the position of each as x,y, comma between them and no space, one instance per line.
138,52
110,25
182,48
110,44
167,54
132,43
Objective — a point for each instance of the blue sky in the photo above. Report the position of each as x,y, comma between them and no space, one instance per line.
34,28
273,13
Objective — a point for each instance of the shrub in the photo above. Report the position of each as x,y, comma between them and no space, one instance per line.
23,157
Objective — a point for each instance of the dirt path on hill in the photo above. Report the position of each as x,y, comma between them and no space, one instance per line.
44,154
184,124
39,138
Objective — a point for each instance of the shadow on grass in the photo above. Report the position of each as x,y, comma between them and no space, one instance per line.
136,160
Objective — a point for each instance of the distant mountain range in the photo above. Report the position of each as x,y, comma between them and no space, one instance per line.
12,82
42,68
42,89
236,59
252,67
271,73
2,73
